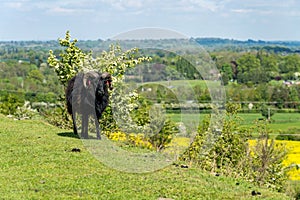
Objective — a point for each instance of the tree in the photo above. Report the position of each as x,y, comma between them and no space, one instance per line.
71,60
183,66
262,93
115,61
227,69
36,75
249,69
280,95
267,112
269,64
290,65
293,97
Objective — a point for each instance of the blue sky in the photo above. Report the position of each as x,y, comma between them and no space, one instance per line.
103,19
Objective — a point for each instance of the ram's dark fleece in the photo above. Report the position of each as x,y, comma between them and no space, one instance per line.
87,94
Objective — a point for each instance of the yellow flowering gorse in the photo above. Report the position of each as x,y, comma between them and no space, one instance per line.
137,140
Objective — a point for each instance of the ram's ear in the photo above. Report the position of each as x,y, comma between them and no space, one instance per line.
106,75
107,80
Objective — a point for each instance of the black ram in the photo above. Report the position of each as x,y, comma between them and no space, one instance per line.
87,94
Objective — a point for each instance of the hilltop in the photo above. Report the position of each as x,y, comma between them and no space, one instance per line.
37,162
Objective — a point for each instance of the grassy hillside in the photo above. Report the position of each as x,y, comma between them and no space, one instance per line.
37,162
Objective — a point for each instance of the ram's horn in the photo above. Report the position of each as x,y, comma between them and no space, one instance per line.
87,76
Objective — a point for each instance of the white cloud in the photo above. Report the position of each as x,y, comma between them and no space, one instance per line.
270,7
21,5
61,10
206,4
242,11
124,4
209,5
67,10
15,5
55,6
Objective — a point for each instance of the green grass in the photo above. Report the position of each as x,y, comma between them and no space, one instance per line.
280,121
37,162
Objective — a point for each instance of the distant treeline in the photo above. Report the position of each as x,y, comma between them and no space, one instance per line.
257,71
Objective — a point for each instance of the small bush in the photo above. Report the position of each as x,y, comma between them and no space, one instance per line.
59,117
159,129
132,139
10,102
156,142
267,112
139,140
117,136
164,137
25,112
267,161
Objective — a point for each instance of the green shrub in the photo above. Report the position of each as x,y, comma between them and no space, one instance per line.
58,116
139,140
267,112
231,155
10,102
227,148
161,139
159,129
107,121
25,112
140,115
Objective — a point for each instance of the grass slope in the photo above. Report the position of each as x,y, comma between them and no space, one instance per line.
37,162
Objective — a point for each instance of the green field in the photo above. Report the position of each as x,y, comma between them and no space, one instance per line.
280,121
188,83
37,162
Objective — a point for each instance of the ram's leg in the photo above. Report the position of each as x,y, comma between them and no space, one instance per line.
84,128
74,123
97,128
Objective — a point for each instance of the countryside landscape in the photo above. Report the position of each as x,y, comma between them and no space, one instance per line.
225,113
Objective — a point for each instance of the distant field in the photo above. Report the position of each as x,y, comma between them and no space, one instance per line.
281,121
190,83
